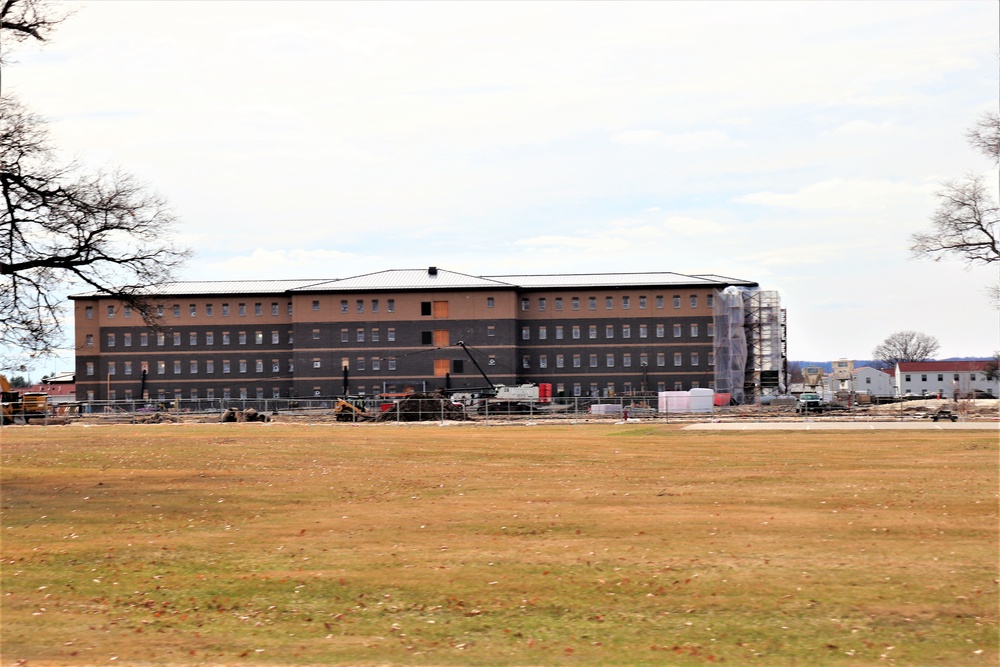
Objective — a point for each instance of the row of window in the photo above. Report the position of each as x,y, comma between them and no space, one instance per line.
609,331
194,366
940,377
610,359
359,305
176,337
609,302
175,309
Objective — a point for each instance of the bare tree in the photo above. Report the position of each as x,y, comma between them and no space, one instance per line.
62,228
966,224
905,346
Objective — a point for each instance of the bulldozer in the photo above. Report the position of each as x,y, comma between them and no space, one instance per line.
18,407
348,412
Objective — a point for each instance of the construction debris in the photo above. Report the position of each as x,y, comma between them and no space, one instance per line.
423,407
248,415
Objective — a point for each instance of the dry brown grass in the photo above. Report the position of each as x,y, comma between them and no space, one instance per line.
470,545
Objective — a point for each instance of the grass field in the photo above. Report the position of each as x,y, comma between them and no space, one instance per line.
470,545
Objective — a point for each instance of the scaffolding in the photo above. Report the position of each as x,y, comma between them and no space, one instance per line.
750,346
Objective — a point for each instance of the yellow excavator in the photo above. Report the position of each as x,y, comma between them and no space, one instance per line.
18,407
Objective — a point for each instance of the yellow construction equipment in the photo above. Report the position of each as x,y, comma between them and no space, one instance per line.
18,406
348,412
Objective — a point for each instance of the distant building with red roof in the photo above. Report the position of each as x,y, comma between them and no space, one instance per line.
949,379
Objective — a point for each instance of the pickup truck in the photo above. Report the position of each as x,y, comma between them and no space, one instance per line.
809,403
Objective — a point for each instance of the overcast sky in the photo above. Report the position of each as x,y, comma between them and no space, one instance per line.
794,144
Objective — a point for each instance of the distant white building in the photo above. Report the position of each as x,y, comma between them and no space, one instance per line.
948,379
860,380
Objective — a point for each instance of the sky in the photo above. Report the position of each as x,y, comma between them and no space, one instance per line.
795,144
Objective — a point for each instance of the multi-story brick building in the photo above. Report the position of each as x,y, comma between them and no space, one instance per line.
398,330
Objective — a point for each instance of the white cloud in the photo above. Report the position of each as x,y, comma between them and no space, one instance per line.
849,194
683,142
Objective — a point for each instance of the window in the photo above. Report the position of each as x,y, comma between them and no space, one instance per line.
642,303
111,340
694,331
361,364
710,300
176,308
425,308
609,302
275,366
159,310
490,302
225,310
659,301
458,366
559,332
661,359
609,331
209,310
193,310
626,331
955,377
592,303
559,361
677,359
576,332
177,367
694,300
89,312
242,310
291,365
274,309
525,304
391,334
923,377
426,337
360,335
259,366
678,386
541,303
209,366
291,337
593,361
161,338
390,305
491,330
90,368
111,368
609,360
525,333
940,377
210,393
710,330
177,338
543,361
225,338
906,378
576,361
90,340
144,340
376,335
161,367
275,338
391,363
677,331
558,303
376,364
643,331
360,306
374,305
243,338
593,331
192,338
127,311
626,304
677,301
111,312
193,366
526,361
243,365
576,303
643,359
694,359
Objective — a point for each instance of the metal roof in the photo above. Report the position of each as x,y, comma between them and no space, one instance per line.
428,279
407,279
617,280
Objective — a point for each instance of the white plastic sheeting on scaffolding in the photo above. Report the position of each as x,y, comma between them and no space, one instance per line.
730,343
